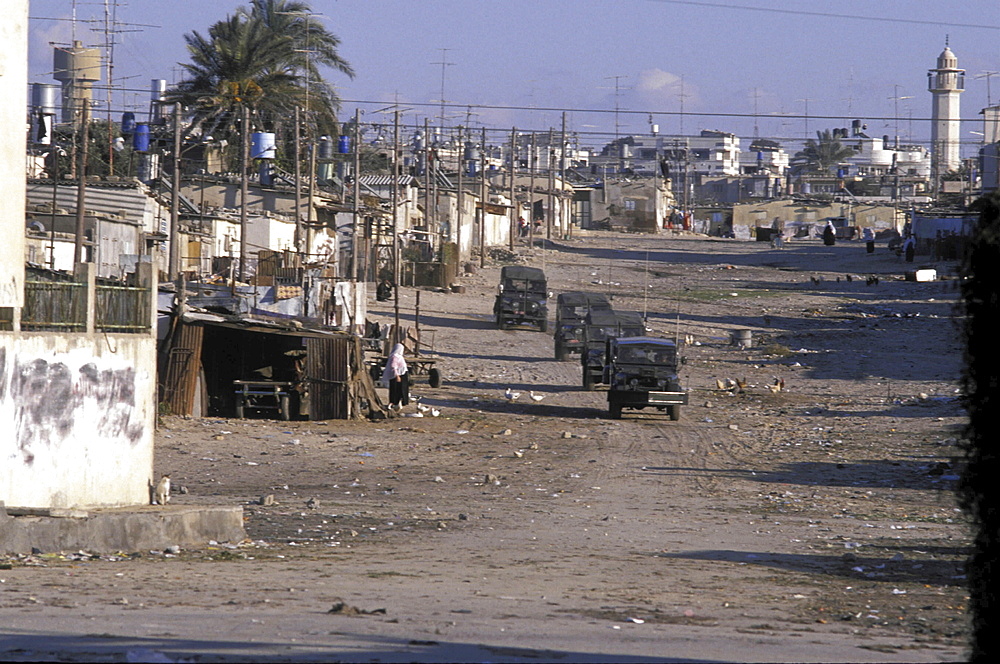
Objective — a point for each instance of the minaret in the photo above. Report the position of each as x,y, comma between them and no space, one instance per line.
945,83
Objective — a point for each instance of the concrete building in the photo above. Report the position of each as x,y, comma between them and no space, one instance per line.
77,358
945,83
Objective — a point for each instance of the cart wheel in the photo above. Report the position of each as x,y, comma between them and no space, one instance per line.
434,377
675,412
283,408
615,411
239,406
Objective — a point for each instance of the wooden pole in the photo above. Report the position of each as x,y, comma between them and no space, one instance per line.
244,194
458,212
513,202
298,179
174,258
355,209
482,205
81,185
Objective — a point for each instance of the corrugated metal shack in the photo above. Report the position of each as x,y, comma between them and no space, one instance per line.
204,354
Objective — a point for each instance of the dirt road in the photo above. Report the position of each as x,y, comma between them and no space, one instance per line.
817,523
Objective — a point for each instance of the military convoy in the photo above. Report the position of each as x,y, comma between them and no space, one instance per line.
640,371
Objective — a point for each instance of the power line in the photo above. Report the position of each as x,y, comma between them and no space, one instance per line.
854,17
645,112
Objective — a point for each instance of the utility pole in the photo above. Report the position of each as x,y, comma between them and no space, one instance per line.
312,191
461,192
513,202
427,176
562,176
174,257
298,179
550,213
531,191
81,185
356,208
244,194
482,204
395,223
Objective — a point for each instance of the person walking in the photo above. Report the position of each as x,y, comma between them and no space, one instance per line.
869,237
397,376
909,248
829,234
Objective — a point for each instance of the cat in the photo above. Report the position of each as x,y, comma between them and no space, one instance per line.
161,495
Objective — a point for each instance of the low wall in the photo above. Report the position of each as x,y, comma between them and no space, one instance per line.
79,412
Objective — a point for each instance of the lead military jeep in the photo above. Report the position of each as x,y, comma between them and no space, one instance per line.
641,372
521,298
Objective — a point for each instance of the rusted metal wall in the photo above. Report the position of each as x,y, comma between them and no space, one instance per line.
183,364
328,370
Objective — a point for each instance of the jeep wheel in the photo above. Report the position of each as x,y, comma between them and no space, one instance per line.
675,412
543,325
615,411
560,351
588,380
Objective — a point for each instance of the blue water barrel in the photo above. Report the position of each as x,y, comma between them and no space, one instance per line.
344,145
262,145
140,138
128,122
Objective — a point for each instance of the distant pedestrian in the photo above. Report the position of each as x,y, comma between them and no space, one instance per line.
829,234
383,292
869,237
909,248
397,376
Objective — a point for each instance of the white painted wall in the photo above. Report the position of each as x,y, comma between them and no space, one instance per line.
79,413
13,101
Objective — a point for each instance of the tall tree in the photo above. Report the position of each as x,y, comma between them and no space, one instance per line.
978,488
266,57
823,154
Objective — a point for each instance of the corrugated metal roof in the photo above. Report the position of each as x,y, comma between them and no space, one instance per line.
130,200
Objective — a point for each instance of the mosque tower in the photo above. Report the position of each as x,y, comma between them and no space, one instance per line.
945,83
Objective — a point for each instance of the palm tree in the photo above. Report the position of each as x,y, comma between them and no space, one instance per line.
823,154
264,57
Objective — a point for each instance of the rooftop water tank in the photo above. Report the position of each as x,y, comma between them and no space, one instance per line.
128,122
140,138
45,98
262,145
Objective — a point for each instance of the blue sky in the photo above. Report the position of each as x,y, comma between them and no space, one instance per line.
782,68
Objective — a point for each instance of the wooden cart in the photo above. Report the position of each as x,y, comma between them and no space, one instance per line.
420,369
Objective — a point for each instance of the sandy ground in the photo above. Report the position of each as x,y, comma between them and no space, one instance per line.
818,523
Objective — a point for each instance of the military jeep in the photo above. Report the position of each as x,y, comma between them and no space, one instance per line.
641,372
521,298
571,317
601,325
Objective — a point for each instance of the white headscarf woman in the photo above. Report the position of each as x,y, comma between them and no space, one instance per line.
396,376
